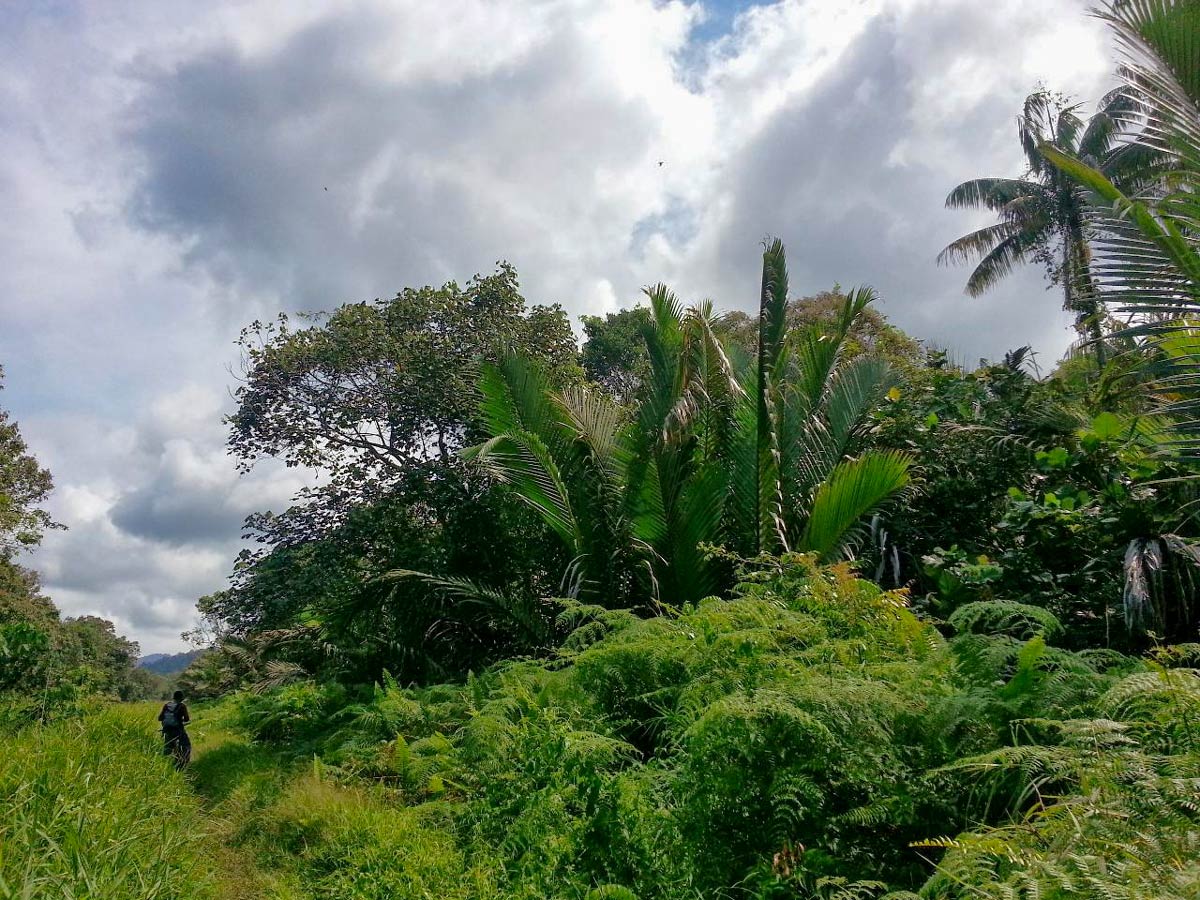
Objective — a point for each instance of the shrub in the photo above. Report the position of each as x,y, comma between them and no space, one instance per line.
291,713
796,740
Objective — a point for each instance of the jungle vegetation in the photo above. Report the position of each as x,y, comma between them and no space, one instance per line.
782,604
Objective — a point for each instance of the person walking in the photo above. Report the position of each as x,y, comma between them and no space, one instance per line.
174,717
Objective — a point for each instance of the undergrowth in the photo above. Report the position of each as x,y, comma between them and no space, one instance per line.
809,738
89,808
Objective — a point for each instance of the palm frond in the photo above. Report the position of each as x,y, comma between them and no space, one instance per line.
772,324
1068,127
977,244
855,489
596,421
664,338
514,396
772,328
685,575
1113,115
819,348
523,461
824,436
1162,233
1034,126
1001,260
991,193
854,389
276,674
741,461
1159,41
533,618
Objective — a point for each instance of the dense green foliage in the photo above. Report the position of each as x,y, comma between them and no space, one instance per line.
808,737
381,397
1080,513
52,662
752,456
614,354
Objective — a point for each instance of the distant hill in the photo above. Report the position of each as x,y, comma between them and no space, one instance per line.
168,663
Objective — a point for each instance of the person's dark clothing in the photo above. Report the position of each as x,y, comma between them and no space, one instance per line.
174,717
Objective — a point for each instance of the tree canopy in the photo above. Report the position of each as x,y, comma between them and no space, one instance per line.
24,485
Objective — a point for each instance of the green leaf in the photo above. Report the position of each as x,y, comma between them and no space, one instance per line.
1108,427
853,490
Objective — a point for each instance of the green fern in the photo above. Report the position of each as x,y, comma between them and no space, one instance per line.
1007,617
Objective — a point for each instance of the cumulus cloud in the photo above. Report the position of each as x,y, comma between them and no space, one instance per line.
175,170
154,512
389,165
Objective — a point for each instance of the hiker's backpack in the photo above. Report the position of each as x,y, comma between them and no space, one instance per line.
170,718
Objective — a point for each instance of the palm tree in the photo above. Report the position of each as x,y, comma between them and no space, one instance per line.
1043,215
809,401
1148,262
1148,233
748,453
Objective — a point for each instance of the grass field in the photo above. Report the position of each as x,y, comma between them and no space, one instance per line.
90,809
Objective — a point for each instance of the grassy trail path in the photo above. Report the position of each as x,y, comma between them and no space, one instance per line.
224,766
91,810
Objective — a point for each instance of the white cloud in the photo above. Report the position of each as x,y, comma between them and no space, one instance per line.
153,510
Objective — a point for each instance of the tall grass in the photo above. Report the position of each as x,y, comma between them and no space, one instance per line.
295,831
89,808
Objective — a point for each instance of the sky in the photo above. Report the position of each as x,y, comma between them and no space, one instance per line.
171,171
